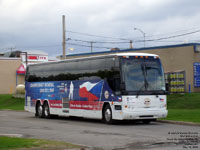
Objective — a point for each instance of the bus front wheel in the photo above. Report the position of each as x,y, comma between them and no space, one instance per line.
107,115
147,121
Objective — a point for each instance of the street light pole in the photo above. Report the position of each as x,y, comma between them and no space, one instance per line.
66,42
64,37
143,33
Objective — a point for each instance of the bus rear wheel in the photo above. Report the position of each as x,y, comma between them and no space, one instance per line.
39,110
107,115
46,111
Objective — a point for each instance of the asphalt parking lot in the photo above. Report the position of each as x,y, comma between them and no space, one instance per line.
99,136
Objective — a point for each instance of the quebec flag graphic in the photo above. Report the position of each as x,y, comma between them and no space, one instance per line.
91,91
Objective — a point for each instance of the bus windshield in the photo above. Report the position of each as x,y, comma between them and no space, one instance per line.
142,74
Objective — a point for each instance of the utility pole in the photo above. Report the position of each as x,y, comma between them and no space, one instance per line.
131,44
64,37
11,48
91,46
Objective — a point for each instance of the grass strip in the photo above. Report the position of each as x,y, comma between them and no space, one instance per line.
188,115
183,101
183,107
8,102
13,143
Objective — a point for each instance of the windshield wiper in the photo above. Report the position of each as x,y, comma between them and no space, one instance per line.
156,91
140,90
164,91
145,85
149,85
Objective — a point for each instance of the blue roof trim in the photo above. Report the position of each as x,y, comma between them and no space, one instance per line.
138,49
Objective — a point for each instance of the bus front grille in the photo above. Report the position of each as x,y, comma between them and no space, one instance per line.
147,116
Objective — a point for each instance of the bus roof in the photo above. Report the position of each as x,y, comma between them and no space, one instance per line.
98,56
134,54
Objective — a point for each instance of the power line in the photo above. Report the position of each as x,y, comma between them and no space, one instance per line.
110,42
169,41
174,32
39,46
69,43
150,40
97,35
31,47
169,37
135,41
183,34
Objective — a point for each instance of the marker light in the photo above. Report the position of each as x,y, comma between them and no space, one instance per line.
141,56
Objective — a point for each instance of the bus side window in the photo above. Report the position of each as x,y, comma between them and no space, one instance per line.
90,78
114,83
97,65
113,76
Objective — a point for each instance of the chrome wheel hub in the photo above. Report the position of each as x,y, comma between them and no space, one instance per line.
46,111
107,115
40,110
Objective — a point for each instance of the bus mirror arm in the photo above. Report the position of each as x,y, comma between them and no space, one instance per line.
122,86
167,92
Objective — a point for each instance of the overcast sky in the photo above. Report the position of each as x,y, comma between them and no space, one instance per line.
37,24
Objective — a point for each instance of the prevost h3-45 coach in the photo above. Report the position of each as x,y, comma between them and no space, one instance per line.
118,86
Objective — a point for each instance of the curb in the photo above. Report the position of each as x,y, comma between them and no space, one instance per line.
12,135
179,122
13,110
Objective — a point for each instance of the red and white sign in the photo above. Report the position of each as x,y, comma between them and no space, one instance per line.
34,57
21,69
37,58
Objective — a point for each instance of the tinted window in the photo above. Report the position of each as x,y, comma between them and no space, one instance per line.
103,68
97,64
141,74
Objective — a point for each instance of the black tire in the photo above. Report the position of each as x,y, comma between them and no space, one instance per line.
107,115
146,121
39,110
46,111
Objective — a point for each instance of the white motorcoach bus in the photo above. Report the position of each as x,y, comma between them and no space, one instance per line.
118,86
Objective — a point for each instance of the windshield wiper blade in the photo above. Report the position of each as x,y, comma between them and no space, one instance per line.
157,91
154,91
164,91
145,85
140,90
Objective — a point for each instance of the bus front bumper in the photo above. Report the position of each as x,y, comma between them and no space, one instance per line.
139,115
